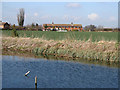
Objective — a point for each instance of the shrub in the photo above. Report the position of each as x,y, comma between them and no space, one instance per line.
14,33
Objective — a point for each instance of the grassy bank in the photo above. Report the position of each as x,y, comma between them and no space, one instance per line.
51,35
101,51
51,57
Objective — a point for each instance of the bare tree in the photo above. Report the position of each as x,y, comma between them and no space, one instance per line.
20,17
90,27
100,28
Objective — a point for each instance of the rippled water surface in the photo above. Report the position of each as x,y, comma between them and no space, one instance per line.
55,74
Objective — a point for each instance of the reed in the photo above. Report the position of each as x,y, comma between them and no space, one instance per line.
101,51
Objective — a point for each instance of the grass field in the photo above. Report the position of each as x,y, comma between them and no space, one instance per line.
48,35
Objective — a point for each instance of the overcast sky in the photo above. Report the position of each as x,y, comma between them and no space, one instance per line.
85,13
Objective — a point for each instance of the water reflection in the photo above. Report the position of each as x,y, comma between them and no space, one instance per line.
52,57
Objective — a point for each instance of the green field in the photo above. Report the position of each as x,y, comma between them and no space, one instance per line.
94,36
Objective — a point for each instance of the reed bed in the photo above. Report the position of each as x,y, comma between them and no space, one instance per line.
70,48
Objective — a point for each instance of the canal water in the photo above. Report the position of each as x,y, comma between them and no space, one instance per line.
55,74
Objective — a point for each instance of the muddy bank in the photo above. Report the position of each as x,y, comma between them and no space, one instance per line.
101,51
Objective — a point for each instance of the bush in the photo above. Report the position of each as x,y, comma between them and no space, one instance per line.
14,33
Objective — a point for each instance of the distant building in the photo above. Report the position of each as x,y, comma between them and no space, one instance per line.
69,27
4,25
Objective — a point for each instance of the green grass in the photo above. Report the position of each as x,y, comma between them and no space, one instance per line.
94,36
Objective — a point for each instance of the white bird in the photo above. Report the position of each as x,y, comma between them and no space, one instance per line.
27,73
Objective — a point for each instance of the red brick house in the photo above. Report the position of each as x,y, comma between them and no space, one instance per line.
69,27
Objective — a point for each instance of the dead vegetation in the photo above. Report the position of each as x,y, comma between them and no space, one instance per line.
102,50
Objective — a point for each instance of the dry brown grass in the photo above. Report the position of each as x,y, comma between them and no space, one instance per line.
102,50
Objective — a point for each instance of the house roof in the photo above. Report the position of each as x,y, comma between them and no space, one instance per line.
62,24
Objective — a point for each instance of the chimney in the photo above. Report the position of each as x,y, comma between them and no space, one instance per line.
52,22
71,22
